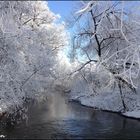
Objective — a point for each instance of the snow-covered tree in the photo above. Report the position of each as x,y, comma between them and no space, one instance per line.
108,35
30,38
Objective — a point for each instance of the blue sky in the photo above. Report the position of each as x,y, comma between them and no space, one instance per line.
63,8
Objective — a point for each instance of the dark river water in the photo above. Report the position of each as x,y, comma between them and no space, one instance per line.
58,119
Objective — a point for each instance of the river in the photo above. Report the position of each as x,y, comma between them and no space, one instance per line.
58,119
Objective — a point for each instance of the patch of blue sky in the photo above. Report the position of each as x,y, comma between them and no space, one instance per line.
63,8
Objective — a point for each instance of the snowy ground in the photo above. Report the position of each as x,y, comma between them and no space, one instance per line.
110,101
133,114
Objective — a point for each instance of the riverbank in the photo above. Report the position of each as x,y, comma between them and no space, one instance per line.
111,102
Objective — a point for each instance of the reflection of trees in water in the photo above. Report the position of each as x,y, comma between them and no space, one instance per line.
57,106
111,123
124,123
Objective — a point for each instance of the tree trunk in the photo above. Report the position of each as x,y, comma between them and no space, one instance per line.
121,94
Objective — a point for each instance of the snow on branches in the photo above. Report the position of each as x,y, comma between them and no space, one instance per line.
30,39
111,30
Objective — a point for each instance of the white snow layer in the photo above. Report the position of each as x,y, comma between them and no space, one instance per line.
133,114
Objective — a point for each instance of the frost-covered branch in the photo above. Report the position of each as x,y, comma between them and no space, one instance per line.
110,32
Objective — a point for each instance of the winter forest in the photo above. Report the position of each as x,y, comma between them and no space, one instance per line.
89,59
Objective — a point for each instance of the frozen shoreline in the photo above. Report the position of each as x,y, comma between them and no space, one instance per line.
112,103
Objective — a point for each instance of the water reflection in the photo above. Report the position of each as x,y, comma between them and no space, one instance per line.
57,118
59,108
